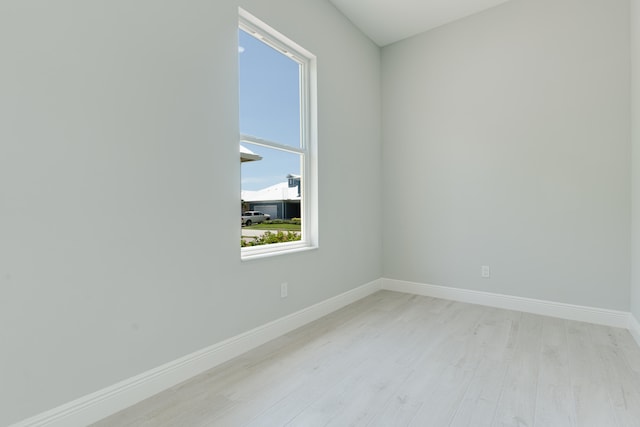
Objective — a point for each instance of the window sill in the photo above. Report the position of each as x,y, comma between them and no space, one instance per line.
249,255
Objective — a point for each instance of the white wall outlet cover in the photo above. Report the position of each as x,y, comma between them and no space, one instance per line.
486,271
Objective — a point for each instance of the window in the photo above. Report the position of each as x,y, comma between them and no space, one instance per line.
277,141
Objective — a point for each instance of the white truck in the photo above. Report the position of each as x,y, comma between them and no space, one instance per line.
254,217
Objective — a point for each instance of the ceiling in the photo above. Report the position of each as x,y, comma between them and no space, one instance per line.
388,21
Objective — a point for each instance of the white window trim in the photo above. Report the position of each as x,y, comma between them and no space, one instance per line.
308,149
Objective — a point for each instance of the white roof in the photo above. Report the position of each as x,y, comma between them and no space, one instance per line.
279,191
247,155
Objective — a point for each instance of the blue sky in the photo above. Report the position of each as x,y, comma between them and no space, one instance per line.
269,109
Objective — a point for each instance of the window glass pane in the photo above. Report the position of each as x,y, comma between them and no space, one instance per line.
271,184
269,92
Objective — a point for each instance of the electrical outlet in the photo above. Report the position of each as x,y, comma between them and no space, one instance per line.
486,272
284,290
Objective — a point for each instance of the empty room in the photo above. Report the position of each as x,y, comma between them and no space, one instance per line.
439,207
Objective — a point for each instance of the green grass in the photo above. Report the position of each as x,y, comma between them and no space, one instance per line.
288,227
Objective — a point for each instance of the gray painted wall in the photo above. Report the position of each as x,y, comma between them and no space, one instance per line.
506,143
635,56
119,234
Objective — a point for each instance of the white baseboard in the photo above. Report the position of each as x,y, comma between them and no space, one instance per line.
634,328
598,316
98,405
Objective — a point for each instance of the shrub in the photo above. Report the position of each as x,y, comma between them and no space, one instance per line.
268,238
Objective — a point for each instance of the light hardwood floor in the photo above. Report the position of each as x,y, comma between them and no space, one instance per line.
395,359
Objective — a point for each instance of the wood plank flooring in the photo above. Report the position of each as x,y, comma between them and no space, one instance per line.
395,359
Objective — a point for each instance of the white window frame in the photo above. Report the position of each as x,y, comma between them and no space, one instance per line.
308,138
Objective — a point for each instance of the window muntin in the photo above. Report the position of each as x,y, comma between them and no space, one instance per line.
277,125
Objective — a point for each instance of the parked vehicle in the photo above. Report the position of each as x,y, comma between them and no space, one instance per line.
254,217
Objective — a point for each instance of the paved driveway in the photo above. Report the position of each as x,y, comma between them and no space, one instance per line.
254,233
248,235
